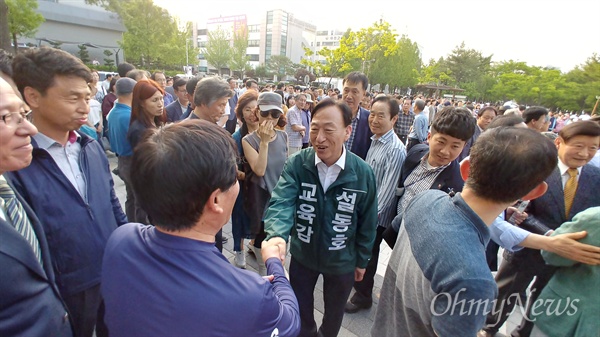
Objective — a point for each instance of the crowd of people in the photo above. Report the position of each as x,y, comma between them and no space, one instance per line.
317,177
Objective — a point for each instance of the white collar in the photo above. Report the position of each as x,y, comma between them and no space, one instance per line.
564,168
341,163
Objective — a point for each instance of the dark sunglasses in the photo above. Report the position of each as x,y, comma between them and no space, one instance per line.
274,113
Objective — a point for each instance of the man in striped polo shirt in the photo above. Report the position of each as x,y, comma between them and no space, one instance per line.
385,156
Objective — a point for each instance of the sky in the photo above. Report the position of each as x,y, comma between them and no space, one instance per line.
556,33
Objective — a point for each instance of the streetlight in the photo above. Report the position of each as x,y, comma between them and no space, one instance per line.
187,61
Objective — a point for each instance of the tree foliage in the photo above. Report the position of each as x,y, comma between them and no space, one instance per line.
153,38
239,58
108,60
4,28
218,51
301,74
83,54
23,20
280,65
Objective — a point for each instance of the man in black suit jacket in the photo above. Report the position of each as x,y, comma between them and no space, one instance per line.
577,144
355,88
30,303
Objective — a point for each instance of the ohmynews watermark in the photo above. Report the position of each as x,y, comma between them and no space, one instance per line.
458,305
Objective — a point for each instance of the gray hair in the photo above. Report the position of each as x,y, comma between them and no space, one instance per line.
210,89
420,104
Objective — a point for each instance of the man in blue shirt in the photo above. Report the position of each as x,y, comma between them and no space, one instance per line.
438,282
170,279
118,119
418,131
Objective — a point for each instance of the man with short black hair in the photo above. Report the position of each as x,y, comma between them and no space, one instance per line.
68,183
119,119
189,88
176,109
326,199
174,265
439,260
536,117
124,68
355,88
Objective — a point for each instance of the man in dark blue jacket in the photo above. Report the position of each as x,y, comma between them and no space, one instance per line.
30,304
355,87
68,184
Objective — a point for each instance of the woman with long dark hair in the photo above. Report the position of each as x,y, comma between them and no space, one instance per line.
147,112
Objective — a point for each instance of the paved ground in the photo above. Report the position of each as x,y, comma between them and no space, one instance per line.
358,324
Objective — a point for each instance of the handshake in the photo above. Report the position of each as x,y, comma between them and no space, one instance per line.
275,247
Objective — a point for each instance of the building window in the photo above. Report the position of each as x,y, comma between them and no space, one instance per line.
253,28
253,43
322,33
269,17
318,44
202,32
253,57
201,44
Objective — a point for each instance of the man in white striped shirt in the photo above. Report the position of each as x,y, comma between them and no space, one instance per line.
385,156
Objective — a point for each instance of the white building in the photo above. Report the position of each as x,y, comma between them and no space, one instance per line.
276,33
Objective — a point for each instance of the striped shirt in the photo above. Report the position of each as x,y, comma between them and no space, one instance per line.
386,157
294,117
419,180
354,124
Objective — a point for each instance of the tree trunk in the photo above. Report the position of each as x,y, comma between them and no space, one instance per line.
16,46
4,30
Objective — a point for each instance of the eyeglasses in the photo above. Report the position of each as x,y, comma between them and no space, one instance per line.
15,118
274,113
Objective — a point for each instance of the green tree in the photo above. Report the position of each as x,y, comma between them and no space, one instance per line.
342,60
4,29
434,73
470,70
217,50
582,85
83,54
401,68
148,40
55,44
23,20
280,65
372,45
308,61
262,72
301,73
108,60
239,58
